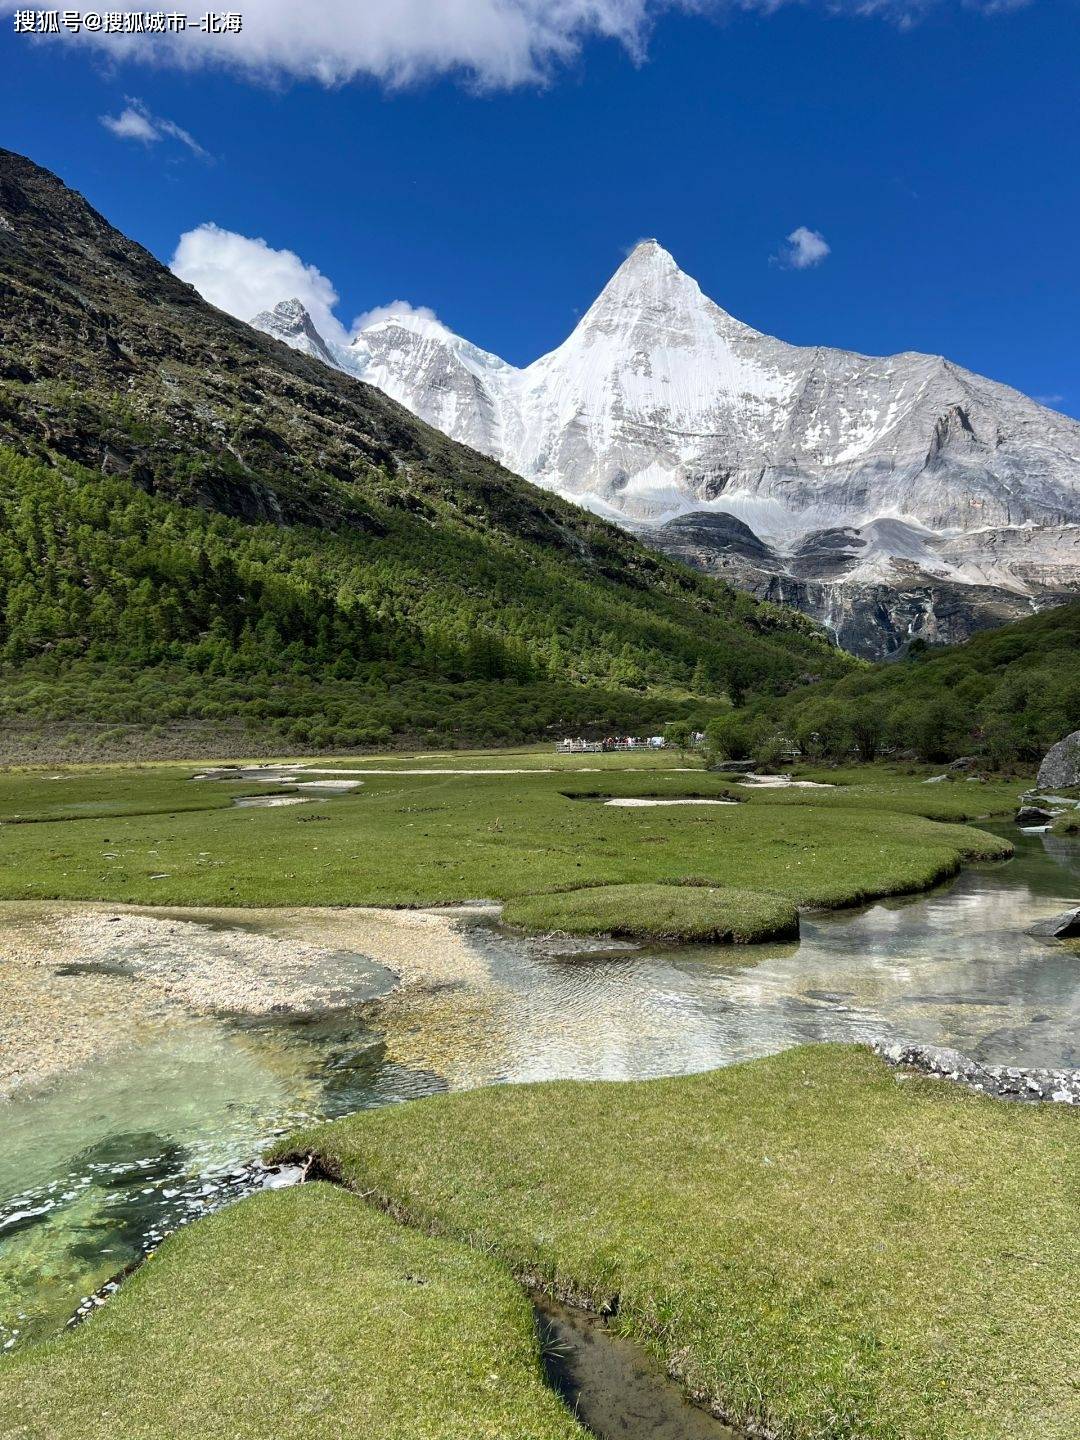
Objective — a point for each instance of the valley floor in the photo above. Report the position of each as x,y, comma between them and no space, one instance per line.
433,830
529,829
819,1247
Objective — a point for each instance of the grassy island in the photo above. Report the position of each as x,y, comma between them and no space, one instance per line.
814,1244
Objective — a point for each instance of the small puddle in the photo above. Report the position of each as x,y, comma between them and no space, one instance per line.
302,790
752,781
269,802
612,1385
330,787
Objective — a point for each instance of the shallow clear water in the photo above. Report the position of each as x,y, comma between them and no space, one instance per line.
97,1165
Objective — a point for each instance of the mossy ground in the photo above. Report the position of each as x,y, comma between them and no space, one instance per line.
152,835
813,1243
301,1312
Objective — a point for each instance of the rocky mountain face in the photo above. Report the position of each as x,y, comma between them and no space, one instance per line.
889,497
871,592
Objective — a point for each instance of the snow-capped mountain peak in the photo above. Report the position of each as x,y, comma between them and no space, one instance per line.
649,287
660,404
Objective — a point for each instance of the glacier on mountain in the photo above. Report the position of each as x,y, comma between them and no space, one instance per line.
891,496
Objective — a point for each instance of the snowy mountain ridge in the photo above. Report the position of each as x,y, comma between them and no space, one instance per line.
862,477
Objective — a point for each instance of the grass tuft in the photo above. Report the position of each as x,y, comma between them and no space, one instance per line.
302,1311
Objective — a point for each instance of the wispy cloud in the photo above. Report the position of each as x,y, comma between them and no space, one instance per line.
130,124
135,122
489,44
802,250
1052,400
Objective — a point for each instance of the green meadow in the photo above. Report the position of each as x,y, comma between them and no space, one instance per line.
818,1247
542,839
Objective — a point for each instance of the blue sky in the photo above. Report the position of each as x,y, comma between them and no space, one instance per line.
937,154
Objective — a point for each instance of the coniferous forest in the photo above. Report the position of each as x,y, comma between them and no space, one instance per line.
121,608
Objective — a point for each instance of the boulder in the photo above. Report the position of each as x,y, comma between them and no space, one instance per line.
1034,815
1061,764
1058,927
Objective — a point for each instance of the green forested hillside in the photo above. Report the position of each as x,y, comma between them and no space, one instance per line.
122,607
199,524
1006,695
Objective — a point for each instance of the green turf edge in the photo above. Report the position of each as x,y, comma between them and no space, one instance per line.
696,913
300,1311
820,1248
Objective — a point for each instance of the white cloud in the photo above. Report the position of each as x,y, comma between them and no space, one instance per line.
130,125
395,309
802,249
492,44
135,122
1053,401
243,276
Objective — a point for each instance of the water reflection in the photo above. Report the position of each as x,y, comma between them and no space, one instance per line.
98,1165
953,967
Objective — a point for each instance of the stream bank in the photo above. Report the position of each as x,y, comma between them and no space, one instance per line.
144,1130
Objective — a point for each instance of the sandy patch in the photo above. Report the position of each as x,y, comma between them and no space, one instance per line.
633,802
51,1023
782,782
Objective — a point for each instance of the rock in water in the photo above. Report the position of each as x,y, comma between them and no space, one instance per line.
1061,765
1059,927
1034,815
